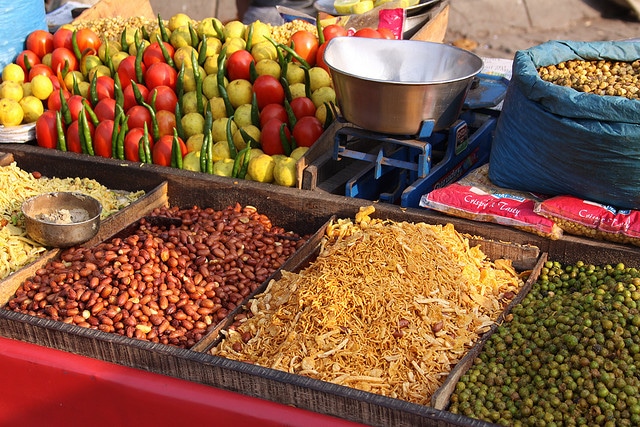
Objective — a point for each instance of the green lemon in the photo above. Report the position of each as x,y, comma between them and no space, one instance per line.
191,161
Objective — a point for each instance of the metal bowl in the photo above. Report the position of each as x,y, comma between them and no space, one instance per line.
62,219
392,86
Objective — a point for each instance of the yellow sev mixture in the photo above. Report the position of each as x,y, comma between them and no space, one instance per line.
387,307
17,185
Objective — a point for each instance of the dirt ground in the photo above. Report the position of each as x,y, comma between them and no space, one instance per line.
596,20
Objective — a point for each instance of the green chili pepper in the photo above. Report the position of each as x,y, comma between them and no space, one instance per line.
255,111
307,83
176,151
253,73
329,106
93,90
249,42
286,144
248,139
124,44
124,128
204,160
198,78
232,147
27,63
163,30
225,98
62,139
109,62
74,45
138,63
180,84
117,90
290,114
117,122
145,33
141,155
210,154
165,53
281,59
194,36
290,50
320,33
202,53
154,121
76,88
221,68
92,114
241,163
287,89
146,142
178,115
64,108
83,132
137,95
208,118
219,30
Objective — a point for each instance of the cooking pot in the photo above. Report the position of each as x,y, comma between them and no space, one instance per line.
393,86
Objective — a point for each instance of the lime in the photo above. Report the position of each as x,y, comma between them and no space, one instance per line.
362,6
344,7
192,124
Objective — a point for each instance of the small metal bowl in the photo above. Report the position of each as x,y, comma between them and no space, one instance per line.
61,219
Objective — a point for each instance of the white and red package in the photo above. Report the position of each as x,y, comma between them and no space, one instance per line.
586,218
475,198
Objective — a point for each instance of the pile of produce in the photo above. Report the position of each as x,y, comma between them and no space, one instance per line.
387,307
176,274
568,356
197,95
16,248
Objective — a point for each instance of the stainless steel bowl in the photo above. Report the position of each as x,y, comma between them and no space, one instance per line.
61,219
392,86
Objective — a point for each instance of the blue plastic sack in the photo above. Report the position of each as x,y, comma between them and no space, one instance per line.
555,140
17,20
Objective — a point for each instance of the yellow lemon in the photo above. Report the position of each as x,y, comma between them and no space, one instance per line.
192,124
240,92
238,139
264,50
133,48
223,167
194,142
191,161
182,55
26,89
207,27
210,86
344,7
41,86
189,80
220,151
234,29
178,20
12,72
295,73
233,44
218,108
261,168
11,113
297,90
298,153
269,67
212,46
362,6
322,95
284,172
318,77
258,32
242,115
32,108
117,58
108,49
11,90
211,64
190,102
100,70
219,129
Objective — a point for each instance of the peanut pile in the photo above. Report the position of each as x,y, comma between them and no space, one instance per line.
600,77
162,283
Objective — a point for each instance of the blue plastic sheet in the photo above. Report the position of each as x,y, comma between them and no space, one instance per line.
17,20
555,140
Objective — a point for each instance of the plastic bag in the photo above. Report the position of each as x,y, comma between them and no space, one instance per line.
555,140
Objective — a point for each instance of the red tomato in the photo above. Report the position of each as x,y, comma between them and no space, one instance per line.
40,69
238,65
105,87
305,44
386,33
138,115
75,106
54,102
166,98
302,107
270,137
102,139
39,42
60,56
105,109
62,38
268,90
161,74
161,151
27,59
46,133
127,71
130,98
153,53
320,58
132,142
166,122
87,39
368,32
73,138
272,111
333,30
307,131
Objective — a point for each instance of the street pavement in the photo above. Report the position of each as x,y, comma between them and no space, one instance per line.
498,28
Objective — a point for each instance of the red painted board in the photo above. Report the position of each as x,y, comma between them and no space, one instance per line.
47,387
